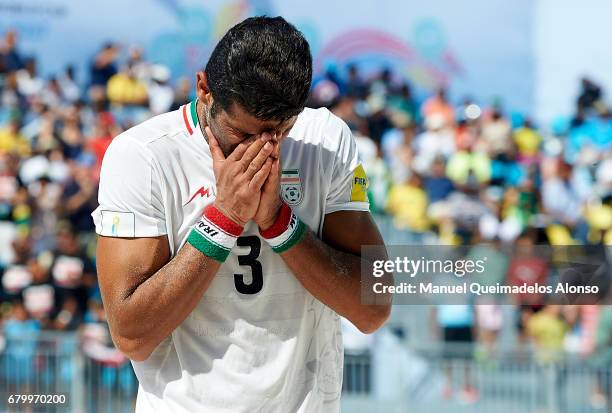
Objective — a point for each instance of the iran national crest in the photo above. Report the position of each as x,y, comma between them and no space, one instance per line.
291,186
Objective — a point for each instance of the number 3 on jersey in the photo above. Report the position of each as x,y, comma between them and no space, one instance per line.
249,260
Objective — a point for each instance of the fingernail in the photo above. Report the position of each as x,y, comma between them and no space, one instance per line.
268,146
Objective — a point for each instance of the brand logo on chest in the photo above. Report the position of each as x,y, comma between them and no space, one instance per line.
203,192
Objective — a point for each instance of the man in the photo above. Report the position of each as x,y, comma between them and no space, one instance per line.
223,294
11,59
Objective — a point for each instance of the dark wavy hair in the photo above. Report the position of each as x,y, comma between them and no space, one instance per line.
264,65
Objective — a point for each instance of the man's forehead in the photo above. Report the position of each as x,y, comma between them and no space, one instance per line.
237,118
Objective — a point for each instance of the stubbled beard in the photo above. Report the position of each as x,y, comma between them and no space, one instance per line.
207,114
207,118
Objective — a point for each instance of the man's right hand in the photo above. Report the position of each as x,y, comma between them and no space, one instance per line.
240,176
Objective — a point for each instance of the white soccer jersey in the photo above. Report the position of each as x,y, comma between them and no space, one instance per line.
257,341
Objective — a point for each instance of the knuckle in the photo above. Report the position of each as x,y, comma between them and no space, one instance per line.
238,168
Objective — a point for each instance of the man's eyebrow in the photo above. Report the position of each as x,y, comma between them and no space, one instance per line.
237,129
284,124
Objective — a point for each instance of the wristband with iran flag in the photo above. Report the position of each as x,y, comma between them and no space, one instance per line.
286,231
215,234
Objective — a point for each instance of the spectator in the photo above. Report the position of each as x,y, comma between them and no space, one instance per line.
547,328
12,101
80,196
404,102
407,203
506,171
437,185
528,142
45,196
28,82
17,276
11,59
466,134
52,94
397,146
464,167
382,84
143,70
438,106
21,332
496,134
489,323
436,141
528,267
39,295
355,87
71,139
590,94
73,274
70,89
561,200
460,214
104,65
456,323
161,94
104,133
124,88
12,141
378,122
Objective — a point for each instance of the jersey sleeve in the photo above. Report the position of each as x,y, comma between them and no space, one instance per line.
129,197
349,183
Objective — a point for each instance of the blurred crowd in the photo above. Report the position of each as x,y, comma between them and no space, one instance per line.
445,171
54,132
469,172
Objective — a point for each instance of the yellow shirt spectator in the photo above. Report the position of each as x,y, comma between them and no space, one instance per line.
527,141
127,90
12,141
408,205
548,330
461,163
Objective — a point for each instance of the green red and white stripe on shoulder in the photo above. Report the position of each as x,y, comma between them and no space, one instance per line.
190,116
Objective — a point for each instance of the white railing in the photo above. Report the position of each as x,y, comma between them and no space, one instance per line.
407,379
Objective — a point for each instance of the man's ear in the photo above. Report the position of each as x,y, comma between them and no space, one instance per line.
202,90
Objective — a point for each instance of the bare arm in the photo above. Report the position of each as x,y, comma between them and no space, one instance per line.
331,270
146,295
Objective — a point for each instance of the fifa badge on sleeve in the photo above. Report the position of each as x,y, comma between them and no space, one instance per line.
359,187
